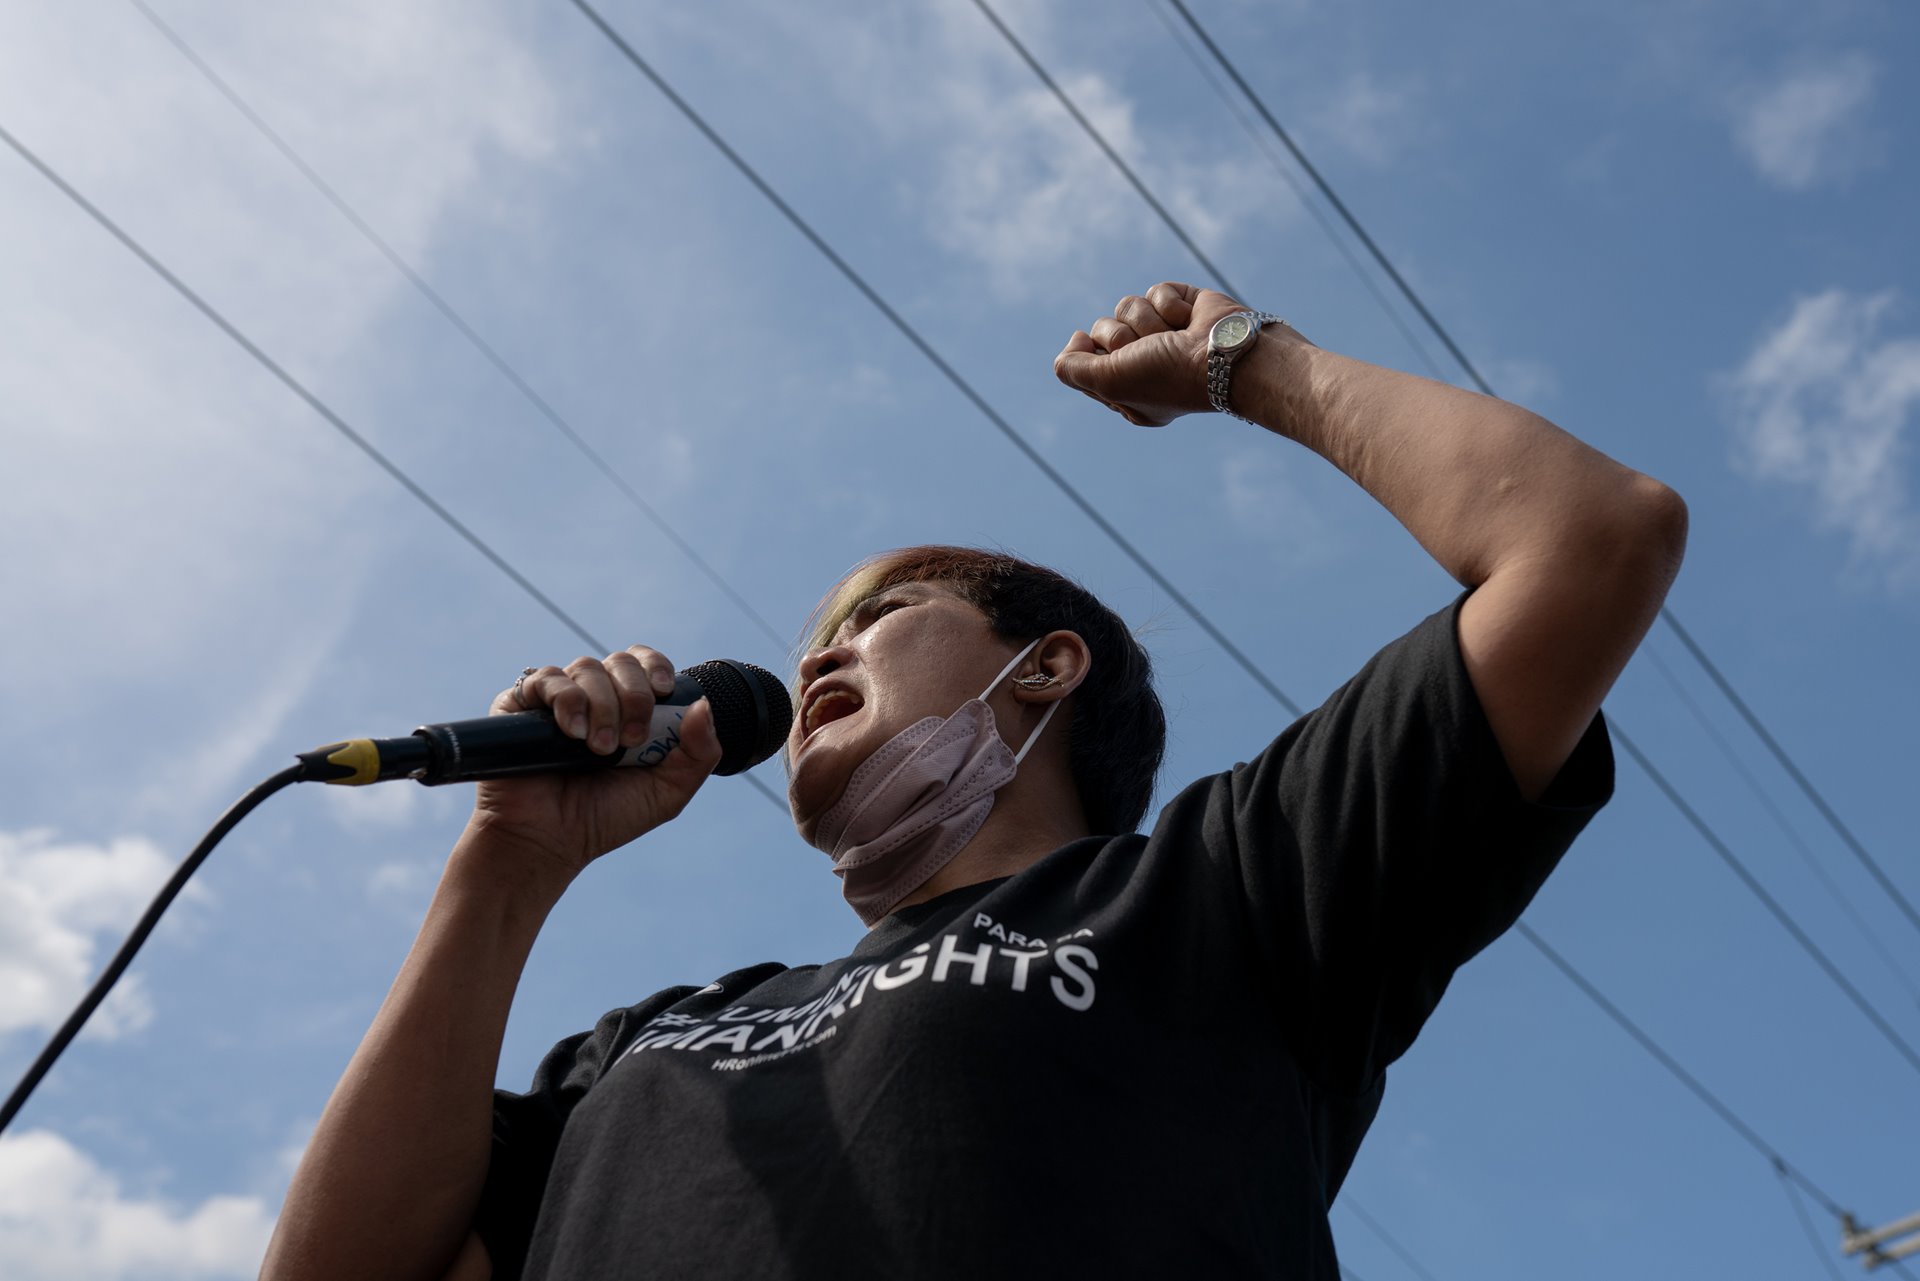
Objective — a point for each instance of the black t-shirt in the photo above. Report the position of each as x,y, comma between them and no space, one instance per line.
1141,1056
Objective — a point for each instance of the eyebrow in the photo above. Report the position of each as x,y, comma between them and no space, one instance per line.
865,604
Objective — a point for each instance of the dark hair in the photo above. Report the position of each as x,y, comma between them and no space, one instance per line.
1118,734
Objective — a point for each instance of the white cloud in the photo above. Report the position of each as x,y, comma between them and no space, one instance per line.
1371,122
993,164
57,901
383,807
1266,505
1528,383
1824,406
191,514
64,1218
403,884
1804,130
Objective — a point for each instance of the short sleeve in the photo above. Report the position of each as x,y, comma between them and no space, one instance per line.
527,1127
1381,842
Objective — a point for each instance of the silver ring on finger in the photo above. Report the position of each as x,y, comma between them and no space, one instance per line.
524,673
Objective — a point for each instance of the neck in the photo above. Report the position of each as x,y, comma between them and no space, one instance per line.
1034,815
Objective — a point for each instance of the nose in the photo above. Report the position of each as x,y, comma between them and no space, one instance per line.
822,661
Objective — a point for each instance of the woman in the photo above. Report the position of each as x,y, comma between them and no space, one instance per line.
1063,1047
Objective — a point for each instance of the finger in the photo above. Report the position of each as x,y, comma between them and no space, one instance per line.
1210,304
1078,363
1113,335
602,703
1174,302
523,695
635,690
660,670
1139,315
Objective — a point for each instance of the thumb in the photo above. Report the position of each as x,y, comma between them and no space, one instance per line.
699,740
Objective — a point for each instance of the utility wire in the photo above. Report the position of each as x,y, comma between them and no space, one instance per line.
1666,614
454,318
1679,1073
1580,981
1374,1226
1793,771
1406,290
1799,935
318,406
1772,904
1806,1224
939,362
1180,233
1814,864
1334,238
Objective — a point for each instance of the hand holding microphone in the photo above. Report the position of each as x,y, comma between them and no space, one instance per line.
555,756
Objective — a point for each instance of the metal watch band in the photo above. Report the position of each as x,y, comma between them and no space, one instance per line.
1220,368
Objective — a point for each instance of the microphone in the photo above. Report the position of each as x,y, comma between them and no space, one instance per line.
751,713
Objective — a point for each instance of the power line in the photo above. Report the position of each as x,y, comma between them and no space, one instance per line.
1772,904
1793,929
1807,857
318,406
1666,614
459,322
921,344
939,362
1406,290
1334,238
1806,1224
1374,1226
1172,225
1793,771
1672,1065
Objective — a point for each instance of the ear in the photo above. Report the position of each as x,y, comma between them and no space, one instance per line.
1064,657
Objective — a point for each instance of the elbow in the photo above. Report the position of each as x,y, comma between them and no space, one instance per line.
1660,519
1649,536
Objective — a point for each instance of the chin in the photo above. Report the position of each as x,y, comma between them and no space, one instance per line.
817,780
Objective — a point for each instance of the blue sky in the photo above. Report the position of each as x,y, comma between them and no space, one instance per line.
1681,231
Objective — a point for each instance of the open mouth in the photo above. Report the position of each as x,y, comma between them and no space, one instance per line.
834,705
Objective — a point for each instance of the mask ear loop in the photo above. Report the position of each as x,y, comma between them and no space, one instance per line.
1034,737
1006,671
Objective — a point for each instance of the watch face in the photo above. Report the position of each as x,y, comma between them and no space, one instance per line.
1231,332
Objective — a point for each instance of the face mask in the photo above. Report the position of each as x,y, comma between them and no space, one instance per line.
916,802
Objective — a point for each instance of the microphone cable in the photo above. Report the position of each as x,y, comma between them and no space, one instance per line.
296,773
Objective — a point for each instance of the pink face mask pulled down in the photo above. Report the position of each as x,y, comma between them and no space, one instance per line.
917,801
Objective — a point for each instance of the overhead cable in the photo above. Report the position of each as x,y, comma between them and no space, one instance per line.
1772,904
459,322
319,407
1579,980
1813,864
1806,1225
1334,238
1374,1226
939,362
1726,854
1672,1065
1667,615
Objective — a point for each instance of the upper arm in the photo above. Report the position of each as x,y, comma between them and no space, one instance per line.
1547,634
473,1263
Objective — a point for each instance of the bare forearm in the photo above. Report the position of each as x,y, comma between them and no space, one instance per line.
390,1182
1478,481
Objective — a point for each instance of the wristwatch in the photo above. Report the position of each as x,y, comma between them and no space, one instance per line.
1230,338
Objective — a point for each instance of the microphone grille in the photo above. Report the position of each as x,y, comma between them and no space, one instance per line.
751,711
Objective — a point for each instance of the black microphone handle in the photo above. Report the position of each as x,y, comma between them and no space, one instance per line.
531,743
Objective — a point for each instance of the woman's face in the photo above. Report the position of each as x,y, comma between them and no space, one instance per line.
906,653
